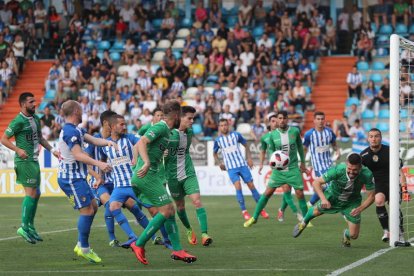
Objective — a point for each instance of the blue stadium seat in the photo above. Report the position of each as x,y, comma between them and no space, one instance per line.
156,23
234,11
313,66
231,21
383,127
100,55
118,46
363,66
177,54
186,23
385,29
367,126
411,30
225,12
378,65
197,129
384,114
364,78
50,95
257,32
403,114
351,101
130,128
383,40
401,29
115,56
308,90
43,105
403,127
374,27
104,45
376,78
90,44
368,114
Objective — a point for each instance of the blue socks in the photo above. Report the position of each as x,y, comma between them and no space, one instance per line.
109,221
140,216
240,199
84,228
255,195
123,223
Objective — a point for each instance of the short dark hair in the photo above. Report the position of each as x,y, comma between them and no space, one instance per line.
158,108
283,113
187,109
318,113
223,120
23,97
374,129
172,107
114,119
354,159
106,115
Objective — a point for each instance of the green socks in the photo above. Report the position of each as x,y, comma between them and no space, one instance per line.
150,230
202,219
172,230
287,196
31,221
284,203
182,214
309,215
28,206
260,206
302,205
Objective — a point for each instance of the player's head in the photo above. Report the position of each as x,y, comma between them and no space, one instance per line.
273,122
282,119
117,124
104,118
27,102
72,109
353,165
224,126
374,138
172,112
157,115
187,116
319,119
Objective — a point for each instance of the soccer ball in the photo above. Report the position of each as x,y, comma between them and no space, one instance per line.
279,160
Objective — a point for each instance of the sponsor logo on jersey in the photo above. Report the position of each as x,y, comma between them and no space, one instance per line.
74,138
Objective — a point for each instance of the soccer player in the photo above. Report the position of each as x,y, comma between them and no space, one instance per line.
149,186
319,140
342,195
157,115
181,176
235,164
376,157
72,174
286,139
264,144
25,127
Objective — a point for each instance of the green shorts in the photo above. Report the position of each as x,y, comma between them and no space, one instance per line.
343,207
28,173
293,178
150,189
188,186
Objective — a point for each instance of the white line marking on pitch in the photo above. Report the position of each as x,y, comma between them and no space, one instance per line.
363,261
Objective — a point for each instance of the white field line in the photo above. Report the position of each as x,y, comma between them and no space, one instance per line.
363,261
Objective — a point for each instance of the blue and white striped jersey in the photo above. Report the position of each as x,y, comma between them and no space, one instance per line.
69,168
121,159
230,149
94,152
318,143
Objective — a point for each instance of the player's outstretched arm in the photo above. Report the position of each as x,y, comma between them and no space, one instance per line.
83,157
317,187
99,141
262,158
47,146
5,140
367,202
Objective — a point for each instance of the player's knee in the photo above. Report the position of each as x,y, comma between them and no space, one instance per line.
197,203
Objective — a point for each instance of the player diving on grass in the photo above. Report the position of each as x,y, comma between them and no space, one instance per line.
181,176
318,141
149,186
235,164
73,171
286,139
343,196
26,129
264,145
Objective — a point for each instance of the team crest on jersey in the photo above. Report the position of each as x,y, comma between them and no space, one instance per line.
74,138
83,199
375,158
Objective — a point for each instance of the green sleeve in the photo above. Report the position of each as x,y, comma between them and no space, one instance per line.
300,147
330,175
14,127
156,131
369,180
271,143
263,144
143,129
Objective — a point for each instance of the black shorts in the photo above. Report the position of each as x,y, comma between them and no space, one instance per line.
383,188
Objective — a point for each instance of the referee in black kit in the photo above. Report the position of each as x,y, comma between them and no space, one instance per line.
377,158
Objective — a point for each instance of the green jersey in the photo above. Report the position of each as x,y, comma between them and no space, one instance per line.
158,135
178,163
27,133
343,188
288,141
144,129
264,142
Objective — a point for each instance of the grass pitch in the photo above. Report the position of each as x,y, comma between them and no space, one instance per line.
267,248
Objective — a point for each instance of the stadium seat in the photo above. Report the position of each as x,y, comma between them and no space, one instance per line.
314,66
411,30
156,23
383,127
403,114
100,55
384,114
367,126
186,23
368,114
183,33
115,56
363,66
374,27
257,32
104,45
225,12
378,65
376,78
43,105
90,44
118,46
382,52
212,79
158,56
50,95
197,129
130,128
385,29
177,54
163,44
152,42
383,40
308,90
178,44
244,129
364,78
403,127
231,21
351,101
401,29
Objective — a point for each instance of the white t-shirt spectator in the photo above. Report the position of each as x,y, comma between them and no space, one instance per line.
242,67
119,107
267,43
247,58
245,9
150,105
18,49
356,20
135,112
145,119
40,16
308,8
126,14
234,105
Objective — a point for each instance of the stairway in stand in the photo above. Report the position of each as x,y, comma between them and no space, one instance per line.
31,80
330,91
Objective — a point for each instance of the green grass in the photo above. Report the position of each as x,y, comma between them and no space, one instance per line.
267,248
